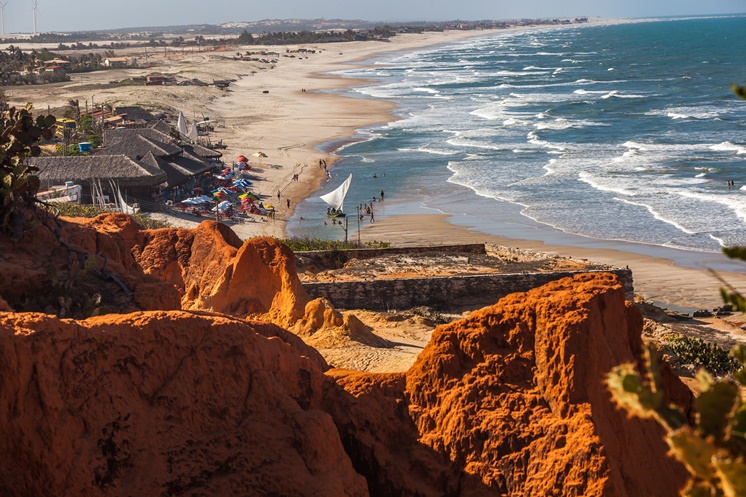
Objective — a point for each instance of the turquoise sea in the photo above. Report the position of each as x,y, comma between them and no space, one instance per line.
619,135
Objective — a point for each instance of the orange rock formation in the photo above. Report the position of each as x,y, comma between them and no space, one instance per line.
164,403
510,401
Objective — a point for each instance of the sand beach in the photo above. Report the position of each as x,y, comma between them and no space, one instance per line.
285,109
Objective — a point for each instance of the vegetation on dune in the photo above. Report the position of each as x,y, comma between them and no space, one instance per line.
19,137
307,244
696,351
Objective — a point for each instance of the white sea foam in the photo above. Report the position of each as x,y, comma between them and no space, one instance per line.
730,201
491,112
427,150
729,147
660,217
687,112
628,155
561,123
721,241
609,184
426,90
463,142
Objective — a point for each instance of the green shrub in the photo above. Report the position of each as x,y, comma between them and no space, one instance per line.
706,355
313,244
20,134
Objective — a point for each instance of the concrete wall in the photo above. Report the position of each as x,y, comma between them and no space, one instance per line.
441,292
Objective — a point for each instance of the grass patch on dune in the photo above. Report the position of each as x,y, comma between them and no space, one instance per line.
299,244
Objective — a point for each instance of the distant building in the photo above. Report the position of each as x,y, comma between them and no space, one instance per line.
116,61
155,79
142,162
56,62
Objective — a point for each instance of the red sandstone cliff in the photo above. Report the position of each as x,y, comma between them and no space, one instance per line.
164,403
205,268
508,402
512,401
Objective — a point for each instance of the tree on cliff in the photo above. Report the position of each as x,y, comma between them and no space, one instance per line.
19,137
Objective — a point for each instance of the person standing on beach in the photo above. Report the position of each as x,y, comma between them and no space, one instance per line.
288,202
278,195
381,195
372,217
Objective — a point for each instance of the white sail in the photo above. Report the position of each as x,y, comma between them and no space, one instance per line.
193,133
181,124
336,198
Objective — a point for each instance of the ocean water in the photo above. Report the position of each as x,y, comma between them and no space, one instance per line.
609,133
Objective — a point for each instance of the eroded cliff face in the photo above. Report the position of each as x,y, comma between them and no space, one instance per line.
207,268
200,401
512,401
164,403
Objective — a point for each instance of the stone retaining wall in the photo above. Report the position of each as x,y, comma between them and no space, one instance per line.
441,292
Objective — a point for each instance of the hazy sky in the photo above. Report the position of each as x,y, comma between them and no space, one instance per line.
72,15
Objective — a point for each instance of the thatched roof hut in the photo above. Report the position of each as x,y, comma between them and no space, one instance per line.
162,126
138,145
124,170
136,113
202,152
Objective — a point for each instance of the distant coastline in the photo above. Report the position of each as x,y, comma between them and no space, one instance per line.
412,228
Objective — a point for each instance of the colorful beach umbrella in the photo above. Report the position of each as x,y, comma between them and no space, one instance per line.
260,154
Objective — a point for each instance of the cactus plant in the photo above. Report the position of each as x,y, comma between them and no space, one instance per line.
19,137
713,447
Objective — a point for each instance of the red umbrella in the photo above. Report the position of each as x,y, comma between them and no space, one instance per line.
197,189
242,158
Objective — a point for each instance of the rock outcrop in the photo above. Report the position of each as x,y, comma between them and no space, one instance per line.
512,401
206,268
200,401
164,403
